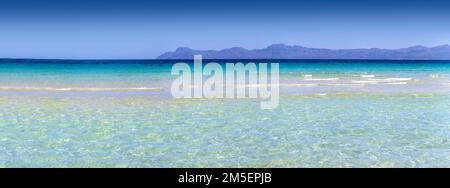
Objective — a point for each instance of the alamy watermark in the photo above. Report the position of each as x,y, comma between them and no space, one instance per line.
239,80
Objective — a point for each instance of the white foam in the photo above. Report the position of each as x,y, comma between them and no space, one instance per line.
347,84
391,79
396,83
434,75
365,82
271,85
367,76
322,79
307,75
299,85
15,88
400,79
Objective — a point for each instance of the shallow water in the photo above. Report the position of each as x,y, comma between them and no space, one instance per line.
328,123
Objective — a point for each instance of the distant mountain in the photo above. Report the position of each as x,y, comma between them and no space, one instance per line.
281,51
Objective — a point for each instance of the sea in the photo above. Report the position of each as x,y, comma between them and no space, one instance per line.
120,113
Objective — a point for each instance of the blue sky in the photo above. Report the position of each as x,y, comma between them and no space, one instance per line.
137,29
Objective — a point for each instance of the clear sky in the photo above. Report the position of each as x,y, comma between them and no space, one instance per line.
137,29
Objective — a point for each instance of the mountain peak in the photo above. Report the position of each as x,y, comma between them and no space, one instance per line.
236,48
179,49
279,45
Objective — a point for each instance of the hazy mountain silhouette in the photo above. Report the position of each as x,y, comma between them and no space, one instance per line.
281,51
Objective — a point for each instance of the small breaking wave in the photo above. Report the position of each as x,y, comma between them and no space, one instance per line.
391,79
367,76
93,89
396,83
322,79
364,82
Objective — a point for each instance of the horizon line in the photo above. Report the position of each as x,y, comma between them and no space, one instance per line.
289,45
275,59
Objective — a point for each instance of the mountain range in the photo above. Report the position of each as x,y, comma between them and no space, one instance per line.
282,51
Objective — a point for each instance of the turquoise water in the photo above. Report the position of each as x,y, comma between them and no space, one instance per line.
331,114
